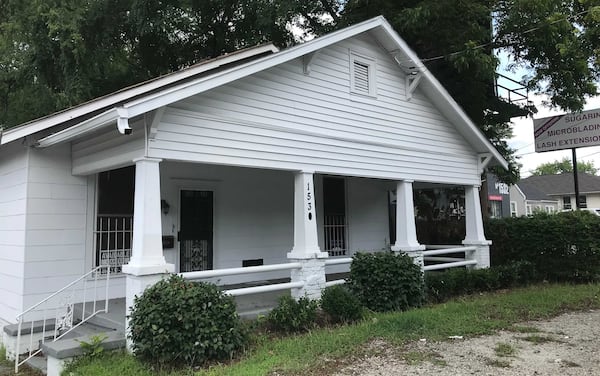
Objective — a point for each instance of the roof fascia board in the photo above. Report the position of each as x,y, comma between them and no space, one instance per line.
90,125
111,99
520,191
444,94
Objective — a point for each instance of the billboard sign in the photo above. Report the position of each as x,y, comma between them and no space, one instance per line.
567,131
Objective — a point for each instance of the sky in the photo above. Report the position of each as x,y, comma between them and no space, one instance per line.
523,141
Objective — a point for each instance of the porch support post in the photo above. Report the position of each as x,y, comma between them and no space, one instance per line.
147,264
306,245
406,228
474,228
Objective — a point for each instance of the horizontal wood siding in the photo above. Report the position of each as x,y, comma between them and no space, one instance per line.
13,205
56,223
281,118
254,213
108,149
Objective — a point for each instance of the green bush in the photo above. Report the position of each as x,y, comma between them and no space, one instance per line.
383,281
441,286
176,322
291,315
340,304
563,247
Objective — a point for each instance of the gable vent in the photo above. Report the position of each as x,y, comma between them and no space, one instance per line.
362,74
361,77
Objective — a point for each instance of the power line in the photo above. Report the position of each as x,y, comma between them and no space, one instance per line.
487,44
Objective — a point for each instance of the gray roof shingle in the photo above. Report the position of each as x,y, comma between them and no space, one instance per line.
543,186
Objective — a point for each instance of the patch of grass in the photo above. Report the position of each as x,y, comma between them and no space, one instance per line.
500,363
523,329
470,316
538,339
505,350
417,357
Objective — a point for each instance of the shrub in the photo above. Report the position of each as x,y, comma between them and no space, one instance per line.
383,281
340,304
291,315
178,322
441,286
562,247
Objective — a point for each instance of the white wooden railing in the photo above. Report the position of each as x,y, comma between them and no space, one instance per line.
337,261
432,253
205,274
55,316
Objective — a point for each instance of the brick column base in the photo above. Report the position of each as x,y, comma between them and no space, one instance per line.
312,273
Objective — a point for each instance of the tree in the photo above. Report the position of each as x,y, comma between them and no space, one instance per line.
559,41
59,53
564,166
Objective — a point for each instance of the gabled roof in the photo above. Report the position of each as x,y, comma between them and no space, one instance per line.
129,105
96,106
542,187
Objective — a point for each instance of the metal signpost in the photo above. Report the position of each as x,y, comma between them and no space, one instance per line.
568,131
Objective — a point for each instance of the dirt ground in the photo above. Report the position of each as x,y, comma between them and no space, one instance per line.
566,345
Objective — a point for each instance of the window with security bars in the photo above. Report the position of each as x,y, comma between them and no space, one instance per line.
334,216
114,218
362,75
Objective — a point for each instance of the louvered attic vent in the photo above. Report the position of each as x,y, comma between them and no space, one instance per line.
363,75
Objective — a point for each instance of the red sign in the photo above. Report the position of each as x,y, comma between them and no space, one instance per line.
495,198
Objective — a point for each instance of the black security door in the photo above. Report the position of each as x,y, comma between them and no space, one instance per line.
196,232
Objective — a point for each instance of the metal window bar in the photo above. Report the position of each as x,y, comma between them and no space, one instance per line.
335,234
114,233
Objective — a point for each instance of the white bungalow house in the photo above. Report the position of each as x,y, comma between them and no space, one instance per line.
258,157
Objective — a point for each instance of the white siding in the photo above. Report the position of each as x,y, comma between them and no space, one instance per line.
108,149
13,192
283,119
253,213
57,215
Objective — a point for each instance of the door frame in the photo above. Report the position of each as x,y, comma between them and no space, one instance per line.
197,186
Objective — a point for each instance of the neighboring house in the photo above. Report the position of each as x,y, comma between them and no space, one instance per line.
256,157
495,197
552,193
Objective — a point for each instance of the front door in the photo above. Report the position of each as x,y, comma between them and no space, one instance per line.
196,231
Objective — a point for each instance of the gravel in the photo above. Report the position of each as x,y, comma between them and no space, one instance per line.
566,345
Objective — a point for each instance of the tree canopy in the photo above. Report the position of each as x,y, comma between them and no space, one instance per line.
58,53
564,165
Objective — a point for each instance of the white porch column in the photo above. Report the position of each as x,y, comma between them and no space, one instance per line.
306,245
406,228
147,264
474,228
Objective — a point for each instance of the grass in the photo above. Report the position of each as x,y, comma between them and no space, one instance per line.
328,347
500,363
505,350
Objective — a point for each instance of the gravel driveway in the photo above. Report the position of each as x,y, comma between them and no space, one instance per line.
566,345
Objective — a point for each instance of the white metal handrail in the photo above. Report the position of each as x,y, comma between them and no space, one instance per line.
54,328
204,274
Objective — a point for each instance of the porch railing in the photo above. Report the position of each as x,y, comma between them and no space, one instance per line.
56,316
205,274
433,252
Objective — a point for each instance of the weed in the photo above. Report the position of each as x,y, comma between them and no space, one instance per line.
417,357
523,329
94,347
538,339
500,363
505,350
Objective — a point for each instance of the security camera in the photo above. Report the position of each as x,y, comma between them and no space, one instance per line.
127,130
